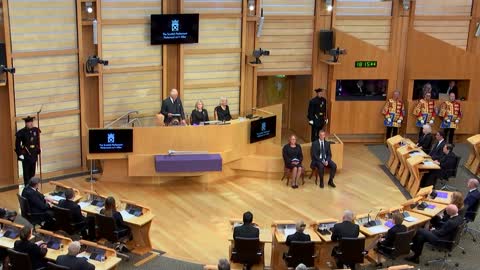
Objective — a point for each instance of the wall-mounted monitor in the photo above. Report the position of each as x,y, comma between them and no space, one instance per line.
263,128
362,90
110,141
440,89
174,28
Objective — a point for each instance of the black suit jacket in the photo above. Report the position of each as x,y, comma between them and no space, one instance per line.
437,151
74,209
175,108
345,229
392,234
471,204
447,164
36,200
447,231
246,231
74,263
317,111
297,237
315,151
425,142
35,253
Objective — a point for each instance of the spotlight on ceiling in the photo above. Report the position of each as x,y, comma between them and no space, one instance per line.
406,4
89,7
329,4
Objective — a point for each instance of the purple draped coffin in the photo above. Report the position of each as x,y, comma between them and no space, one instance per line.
188,163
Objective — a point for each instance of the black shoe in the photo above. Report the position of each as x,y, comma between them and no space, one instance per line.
413,259
293,186
321,185
330,183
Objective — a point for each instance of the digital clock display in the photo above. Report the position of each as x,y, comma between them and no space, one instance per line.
365,64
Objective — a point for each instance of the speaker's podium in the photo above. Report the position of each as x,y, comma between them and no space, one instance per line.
158,153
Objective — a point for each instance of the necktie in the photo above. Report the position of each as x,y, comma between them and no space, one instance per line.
322,150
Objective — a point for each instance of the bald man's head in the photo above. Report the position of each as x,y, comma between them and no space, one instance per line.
452,210
74,248
174,93
472,183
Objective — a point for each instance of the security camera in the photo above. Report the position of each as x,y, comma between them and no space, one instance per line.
336,53
259,53
6,69
93,61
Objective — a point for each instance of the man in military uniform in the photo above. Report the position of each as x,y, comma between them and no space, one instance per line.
425,109
317,113
27,147
393,112
451,112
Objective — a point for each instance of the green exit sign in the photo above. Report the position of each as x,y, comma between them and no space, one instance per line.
365,64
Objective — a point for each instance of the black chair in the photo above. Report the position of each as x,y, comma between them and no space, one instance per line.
401,246
246,251
450,173
64,221
19,260
107,229
469,219
446,247
52,266
33,218
351,251
300,252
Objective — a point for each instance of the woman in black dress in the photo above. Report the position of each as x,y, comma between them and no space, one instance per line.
293,157
222,111
199,114
426,139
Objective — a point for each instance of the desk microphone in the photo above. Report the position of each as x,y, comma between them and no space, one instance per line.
368,220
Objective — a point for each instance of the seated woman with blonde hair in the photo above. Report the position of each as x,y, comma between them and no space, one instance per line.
222,111
293,157
199,114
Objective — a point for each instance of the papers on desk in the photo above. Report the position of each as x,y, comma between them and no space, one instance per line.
410,219
83,255
416,153
428,163
289,231
55,198
83,204
126,215
377,229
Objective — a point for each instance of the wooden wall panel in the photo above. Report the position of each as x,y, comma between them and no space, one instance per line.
201,69
43,25
133,9
376,32
211,97
288,7
363,8
218,33
60,143
454,32
51,81
212,6
443,7
290,44
129,46
140,91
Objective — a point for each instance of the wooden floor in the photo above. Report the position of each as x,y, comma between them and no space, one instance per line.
192,217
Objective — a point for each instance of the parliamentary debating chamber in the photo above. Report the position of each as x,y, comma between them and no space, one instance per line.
239,134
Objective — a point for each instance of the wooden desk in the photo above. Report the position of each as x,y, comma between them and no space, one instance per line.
111,260
52,254
404,153
140,226
279,246
473,161
6,242
393,143
59,187
426,191
417,169
430,212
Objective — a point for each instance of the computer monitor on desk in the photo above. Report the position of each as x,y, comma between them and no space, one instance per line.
325,228
134,210
96,200
9,231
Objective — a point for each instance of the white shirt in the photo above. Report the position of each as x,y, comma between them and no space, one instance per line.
172,100
472,190
322,145
439,142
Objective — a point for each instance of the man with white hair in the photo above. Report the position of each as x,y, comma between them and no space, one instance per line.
472,199
346,229
172,109
72,261
447,232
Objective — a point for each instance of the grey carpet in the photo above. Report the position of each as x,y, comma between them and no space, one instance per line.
467,261
161,263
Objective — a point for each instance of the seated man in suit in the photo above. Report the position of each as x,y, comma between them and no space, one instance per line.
172,109
69,204
386,242
322,157
35,252
472,200
247,229
72,261
38,203
447,163
346,229
299,235
446,233
437,149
